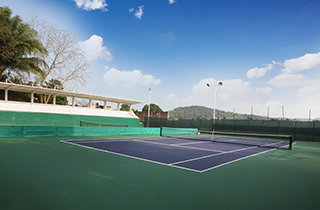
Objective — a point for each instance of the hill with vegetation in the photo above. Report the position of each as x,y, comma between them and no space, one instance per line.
205,113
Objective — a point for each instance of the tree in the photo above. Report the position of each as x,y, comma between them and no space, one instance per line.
54,84
153,108
125,107
178,116
15,95
200,118
66,61
19,49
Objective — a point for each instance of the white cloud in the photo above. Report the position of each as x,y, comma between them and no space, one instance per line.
139,13
307,99
171,97
232,88
259,72
312,90
94,49
288,80
264,90
308,61
276,63
92,4
231,92
171,1
296,100
168,38
130,79
131,9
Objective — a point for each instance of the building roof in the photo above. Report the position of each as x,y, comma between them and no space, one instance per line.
47,91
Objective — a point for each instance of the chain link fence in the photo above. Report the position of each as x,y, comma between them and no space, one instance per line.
305,131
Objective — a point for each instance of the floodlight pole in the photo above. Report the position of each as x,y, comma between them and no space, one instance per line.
214,104
149,106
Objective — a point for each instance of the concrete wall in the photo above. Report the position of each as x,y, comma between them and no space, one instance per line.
22,113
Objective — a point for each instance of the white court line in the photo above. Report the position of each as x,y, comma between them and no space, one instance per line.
271,149
174,145
99,140
265,145
226,140
195,142
232,161
129,156
207,156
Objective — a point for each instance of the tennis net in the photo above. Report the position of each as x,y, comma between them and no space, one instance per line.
95,124
246,139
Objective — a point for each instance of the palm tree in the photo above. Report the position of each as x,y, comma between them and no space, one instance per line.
18,45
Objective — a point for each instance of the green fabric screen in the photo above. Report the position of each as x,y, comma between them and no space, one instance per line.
34,131
49,119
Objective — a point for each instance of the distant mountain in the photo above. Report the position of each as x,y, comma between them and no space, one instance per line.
201,112
306,119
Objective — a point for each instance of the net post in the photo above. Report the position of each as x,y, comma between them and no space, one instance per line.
212,135
291,142
160,131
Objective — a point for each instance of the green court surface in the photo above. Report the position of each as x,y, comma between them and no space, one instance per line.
43,173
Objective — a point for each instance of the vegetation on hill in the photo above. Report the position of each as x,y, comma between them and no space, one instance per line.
153,108
205,113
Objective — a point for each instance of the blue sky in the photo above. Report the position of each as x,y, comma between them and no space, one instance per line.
267,53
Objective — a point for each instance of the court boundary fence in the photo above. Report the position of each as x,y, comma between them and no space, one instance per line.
300,130
42,131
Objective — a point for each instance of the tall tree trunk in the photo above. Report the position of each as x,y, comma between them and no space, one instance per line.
1,71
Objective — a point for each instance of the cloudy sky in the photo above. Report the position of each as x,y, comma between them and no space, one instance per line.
266,53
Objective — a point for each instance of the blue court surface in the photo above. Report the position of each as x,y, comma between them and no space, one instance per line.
189,154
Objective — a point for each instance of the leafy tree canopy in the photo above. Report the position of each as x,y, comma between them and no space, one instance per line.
18,45
153,108
125,107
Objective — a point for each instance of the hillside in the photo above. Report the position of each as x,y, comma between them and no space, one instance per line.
201,112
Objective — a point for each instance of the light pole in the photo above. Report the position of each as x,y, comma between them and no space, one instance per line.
149,106
214,103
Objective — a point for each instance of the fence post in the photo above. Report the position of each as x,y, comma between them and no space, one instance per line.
313,130
295,129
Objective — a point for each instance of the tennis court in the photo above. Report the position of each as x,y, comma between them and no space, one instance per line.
43,173
194,153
